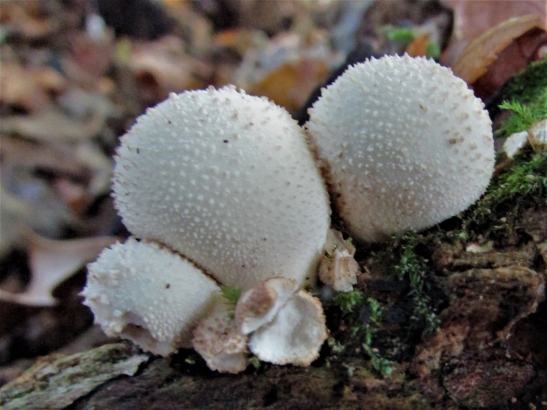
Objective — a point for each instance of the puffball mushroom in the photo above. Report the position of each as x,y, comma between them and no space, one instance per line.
259,305
144,292
287,324
219,342
228,181
404,144
338,267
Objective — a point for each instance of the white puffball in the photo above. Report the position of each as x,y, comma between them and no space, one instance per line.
404,144
228,181
148,294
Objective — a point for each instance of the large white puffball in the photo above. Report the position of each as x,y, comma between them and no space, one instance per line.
404,144
228,181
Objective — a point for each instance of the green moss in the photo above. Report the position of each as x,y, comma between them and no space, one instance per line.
524,116
529,85
379,363
375,310
254,361
526,96
349,302
405,264
335,346
523,183
231,295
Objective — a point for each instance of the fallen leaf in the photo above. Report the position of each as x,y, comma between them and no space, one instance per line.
472,18
52,262
418,47
83,162
290,84
163,66
57,158
74,195
484,50
34,92
44,212
101,166
93,55
512,60
26,19
51,125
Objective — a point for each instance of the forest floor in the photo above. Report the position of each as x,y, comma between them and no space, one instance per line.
451,318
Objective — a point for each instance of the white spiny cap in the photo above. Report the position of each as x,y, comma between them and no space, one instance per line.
404,144
228,181
146,293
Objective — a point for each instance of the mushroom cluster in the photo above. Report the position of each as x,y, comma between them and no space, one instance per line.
227,184
224,190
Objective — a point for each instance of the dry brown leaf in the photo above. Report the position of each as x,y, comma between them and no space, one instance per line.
163,66
513,59
52,125
472,18
43,211
94,56
101,166
84,163
51,263
418,47
58,158
290,84
484,50
26,19
34,92
74,195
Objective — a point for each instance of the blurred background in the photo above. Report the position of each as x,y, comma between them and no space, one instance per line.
74,75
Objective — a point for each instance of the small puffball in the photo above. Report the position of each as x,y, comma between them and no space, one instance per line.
404,144
537,135
219,342
227,180
147,294
294,335
514,143
338,267
258,305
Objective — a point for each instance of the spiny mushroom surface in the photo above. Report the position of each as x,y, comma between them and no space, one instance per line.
404,144
146,293
228,181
